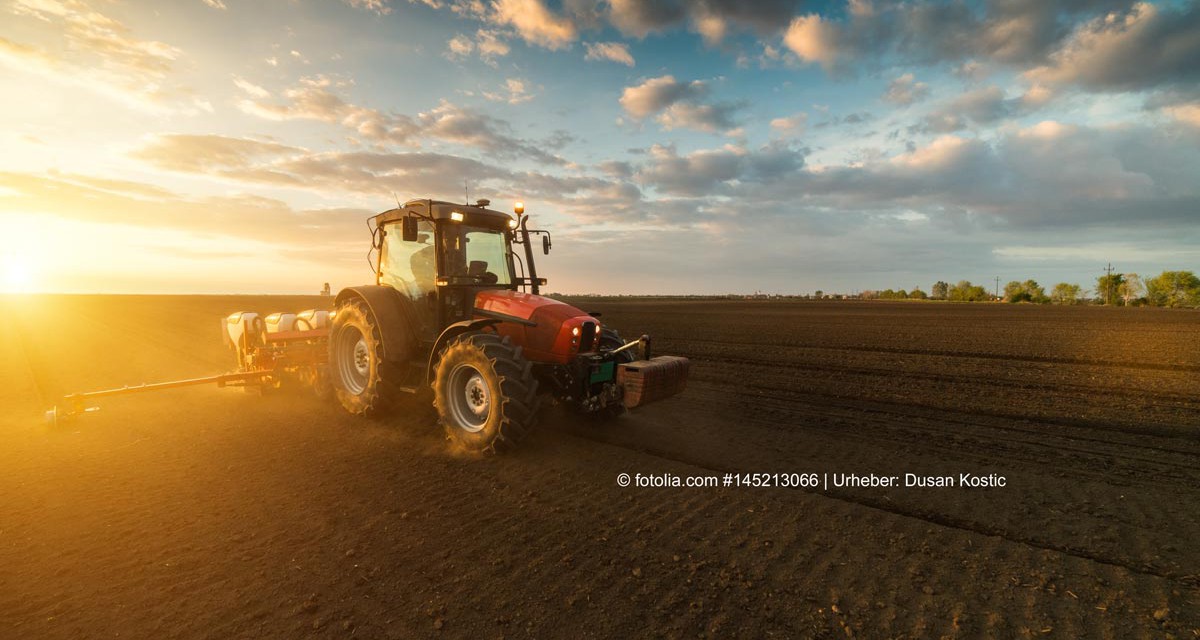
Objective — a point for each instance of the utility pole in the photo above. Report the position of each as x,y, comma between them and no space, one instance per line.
1108,271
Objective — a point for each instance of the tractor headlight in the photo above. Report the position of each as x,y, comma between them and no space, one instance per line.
456,216
512,224
575,332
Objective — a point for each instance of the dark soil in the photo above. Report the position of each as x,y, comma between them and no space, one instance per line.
212,513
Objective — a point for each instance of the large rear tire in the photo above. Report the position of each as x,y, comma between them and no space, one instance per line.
363,381
485,393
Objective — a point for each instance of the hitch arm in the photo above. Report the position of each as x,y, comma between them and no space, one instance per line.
644,347
76,403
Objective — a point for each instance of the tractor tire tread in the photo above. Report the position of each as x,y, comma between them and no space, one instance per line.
519,402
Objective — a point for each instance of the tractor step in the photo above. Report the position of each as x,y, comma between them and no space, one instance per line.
413,377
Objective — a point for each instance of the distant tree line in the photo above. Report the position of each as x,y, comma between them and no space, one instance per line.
1168,289
895,294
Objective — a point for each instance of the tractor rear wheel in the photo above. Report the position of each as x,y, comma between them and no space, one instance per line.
485,393
363,381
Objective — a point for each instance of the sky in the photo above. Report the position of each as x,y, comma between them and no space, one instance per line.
718,146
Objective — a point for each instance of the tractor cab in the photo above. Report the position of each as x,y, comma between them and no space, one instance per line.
440,255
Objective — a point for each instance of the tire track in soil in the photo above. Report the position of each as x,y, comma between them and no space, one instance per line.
982,355
940,519
1087,512
880,428
1079,493
1045,437
1187,401
1140,428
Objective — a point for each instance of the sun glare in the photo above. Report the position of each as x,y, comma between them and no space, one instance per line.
18,276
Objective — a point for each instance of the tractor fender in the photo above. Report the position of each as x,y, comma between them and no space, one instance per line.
450,333
388,307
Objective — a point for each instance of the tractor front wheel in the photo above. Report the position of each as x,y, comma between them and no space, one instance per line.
485,393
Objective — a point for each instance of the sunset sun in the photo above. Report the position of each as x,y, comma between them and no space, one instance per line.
17,276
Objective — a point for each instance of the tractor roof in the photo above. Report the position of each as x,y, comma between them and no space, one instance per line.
439,210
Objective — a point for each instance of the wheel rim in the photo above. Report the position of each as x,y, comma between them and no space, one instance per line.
469,399
353,360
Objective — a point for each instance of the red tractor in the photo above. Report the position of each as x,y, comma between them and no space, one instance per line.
457,309
449,310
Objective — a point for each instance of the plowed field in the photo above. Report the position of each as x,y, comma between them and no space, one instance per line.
212,513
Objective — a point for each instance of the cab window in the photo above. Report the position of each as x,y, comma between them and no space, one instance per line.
409,267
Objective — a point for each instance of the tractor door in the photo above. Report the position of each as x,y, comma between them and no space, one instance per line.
411,269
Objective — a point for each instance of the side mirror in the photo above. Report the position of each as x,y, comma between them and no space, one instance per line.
409,233
546,244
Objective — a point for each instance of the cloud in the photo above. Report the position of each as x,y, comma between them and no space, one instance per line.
1144,47
1065,161
711,118
616,169
971,71
905,90
516,92
711,172
791,126
102,200
1188,114
313,100
1050,175
712,19
612,51
852,118
94,33
535,23
929,33
459,47
353,175
381,7
678,105
711,27
451,123
488,43
216,4
814,39
641,17
983,107
260,162
656,94
250,88
212,154
100,53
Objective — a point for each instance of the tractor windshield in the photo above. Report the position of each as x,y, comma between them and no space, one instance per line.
477,253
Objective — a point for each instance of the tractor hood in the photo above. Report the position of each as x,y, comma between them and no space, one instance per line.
523,305
548,330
